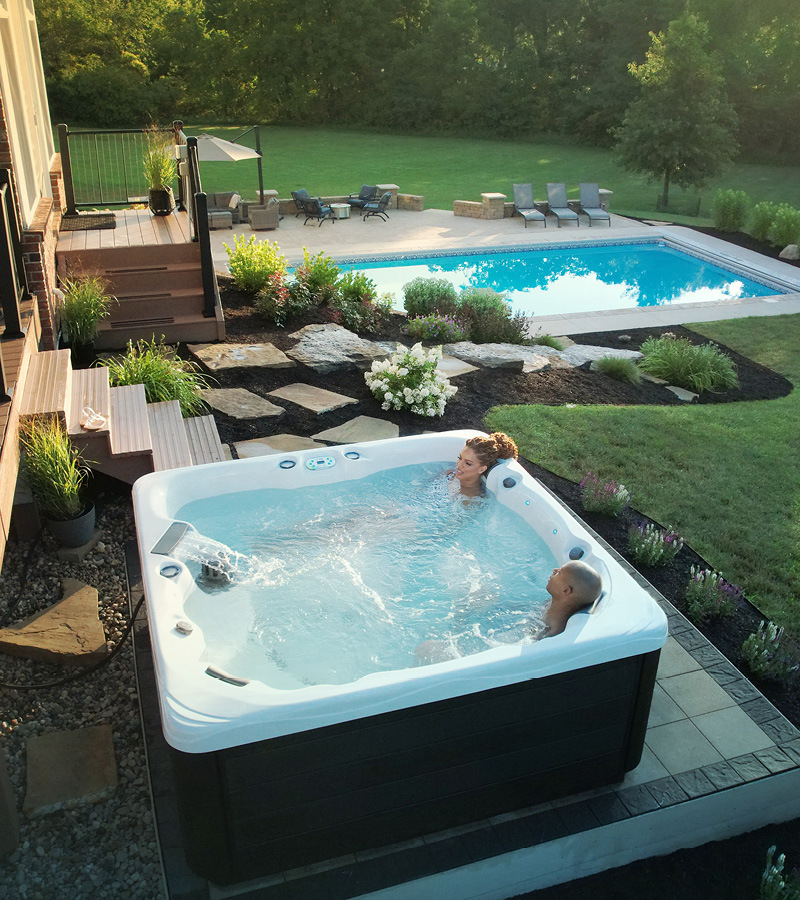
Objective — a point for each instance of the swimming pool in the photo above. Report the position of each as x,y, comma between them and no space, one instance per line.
578,278
271,773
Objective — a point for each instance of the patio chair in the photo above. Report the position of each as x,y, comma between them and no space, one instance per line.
367,194
524,205
590,203
557,201
377,207
314,208
299,197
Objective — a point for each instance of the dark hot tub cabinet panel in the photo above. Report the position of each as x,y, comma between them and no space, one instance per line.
290,801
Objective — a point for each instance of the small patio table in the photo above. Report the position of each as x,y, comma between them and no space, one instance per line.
340,210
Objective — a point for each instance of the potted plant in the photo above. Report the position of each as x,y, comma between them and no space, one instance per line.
56,477
86,301
158,160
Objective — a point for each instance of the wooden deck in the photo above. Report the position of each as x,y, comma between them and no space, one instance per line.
135,228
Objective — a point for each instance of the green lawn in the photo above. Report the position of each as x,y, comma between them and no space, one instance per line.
726,476
446,169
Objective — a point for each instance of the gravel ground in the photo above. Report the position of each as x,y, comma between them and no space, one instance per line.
106,849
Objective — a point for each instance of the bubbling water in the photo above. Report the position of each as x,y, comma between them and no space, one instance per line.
325,584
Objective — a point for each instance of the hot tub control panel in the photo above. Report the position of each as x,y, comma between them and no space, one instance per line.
320,462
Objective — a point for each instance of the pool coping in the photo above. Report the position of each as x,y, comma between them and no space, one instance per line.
658,816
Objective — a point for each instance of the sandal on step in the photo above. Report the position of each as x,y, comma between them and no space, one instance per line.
91,420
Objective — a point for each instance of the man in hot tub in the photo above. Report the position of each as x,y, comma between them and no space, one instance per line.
572,587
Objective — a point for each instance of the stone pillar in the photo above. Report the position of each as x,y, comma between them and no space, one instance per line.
493,205
605,199
393,189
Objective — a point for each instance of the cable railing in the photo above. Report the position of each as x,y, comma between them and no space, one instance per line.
13,281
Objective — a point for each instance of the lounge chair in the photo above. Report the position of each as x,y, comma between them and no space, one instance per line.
299,197
557,201
367,194
314,208
524,205
590,203
377,207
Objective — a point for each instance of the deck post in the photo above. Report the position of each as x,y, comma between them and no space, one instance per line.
66,169
210,289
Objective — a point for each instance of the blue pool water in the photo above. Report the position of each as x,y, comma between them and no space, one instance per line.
332,582
555,280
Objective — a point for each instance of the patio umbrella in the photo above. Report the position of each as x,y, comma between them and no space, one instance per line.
214,149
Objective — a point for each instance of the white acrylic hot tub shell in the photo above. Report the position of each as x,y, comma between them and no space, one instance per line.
201,713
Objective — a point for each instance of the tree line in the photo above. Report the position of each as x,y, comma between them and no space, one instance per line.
507,68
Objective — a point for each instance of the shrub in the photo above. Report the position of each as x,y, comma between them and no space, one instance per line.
53,469
773,884
435,327
729,210
607,498
360,312
653,546
409,380
764,655
709,596
761,217
678,361
489,318
547,340
86,301
164,375
276,303
252,262
424,296
618,368
319,274
478,301
785,227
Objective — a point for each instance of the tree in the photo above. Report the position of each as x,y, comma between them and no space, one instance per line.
681,126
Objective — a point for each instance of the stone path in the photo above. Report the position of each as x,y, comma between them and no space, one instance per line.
330,348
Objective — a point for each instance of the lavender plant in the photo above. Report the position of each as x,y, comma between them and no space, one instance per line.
774,886
435,327
652,546
708,595
607,498
764,655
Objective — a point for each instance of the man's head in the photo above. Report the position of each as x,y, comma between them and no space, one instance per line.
572,587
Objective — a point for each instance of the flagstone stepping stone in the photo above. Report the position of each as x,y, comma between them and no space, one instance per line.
360,430
452,366
513,357
579,354
66,768
326,348
316,399
237,356
239,403
275,443
682,393
653,379
69,631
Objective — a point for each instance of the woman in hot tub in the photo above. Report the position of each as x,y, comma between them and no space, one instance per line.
477,457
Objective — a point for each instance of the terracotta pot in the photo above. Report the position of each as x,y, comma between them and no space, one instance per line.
74,532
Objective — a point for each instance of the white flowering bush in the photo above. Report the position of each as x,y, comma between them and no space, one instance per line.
409,380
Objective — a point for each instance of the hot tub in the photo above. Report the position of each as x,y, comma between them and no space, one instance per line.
272,778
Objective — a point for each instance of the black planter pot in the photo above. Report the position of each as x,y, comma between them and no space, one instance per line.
161,201
74,532
82,355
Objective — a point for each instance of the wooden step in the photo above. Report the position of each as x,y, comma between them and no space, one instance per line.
170,441
100,259
48,383
158,280
190,329
130,424
204,443
90,387
154,306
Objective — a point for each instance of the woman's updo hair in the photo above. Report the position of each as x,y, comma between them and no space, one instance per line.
489,449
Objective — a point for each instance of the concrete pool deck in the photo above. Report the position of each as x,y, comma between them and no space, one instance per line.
435,229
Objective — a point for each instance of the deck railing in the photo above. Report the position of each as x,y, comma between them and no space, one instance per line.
198,218
13,281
